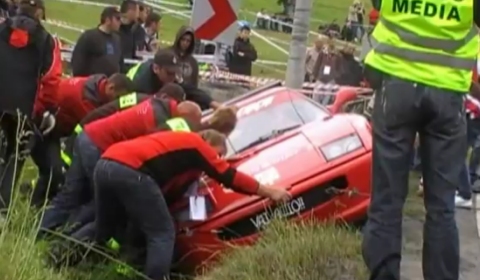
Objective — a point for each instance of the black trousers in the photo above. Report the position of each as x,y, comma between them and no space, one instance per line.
46,155
15,140
402,109
122,192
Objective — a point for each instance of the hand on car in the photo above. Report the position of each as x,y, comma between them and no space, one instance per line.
277,194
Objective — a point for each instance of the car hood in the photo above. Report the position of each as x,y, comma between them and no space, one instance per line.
286,160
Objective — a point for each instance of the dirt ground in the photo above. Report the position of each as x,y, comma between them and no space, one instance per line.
412,235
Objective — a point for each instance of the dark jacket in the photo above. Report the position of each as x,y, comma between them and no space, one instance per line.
242,64
145,81
96,52
188,63
30,67
128,37
350,72
327,67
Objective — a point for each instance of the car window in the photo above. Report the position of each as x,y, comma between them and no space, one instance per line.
275,117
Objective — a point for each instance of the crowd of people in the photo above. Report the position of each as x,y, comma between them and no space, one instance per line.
136,142
134,138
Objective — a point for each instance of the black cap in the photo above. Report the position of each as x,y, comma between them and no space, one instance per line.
109,12
166,58
34,3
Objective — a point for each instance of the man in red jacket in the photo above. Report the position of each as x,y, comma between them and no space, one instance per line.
144,118
137,180
77,97
30,70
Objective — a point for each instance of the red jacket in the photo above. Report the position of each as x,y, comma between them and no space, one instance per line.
136,121
78,97
47,97
472,105
169,157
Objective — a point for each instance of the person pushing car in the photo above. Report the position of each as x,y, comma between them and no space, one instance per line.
117,105
144,118
421,68
134,179
151,75
76,98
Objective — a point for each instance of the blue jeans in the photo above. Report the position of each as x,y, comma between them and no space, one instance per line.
78,188
403,109
469,172
121,193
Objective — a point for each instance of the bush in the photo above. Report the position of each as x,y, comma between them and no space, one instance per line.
289,251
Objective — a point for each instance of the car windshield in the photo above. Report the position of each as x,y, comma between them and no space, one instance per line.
272,121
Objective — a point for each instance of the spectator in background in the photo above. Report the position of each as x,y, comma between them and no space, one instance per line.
139,32
150,38
366,39
359,30
142,13
326,69
347,33
244,53
128,29
183,48
352,18
312,56
261,21
350,73
98,50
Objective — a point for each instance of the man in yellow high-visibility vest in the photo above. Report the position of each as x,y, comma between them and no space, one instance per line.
421,68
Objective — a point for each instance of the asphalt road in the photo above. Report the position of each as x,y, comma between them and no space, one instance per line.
469,245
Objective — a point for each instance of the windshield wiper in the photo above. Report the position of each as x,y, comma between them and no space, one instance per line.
274,133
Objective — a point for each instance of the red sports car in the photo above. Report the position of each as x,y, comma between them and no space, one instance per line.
286,139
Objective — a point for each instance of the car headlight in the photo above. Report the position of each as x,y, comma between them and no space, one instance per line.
341,147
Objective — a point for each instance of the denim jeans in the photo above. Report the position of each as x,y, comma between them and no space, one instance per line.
402,109
78,187
122,192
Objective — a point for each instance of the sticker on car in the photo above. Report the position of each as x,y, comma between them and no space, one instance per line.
255,106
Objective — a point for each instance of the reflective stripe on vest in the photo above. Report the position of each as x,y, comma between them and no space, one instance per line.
128,100
449,46
433,43
78,129
66,158
178,124
133,71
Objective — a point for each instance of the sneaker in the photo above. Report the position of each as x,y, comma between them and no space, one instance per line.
476,186
420,188
461,202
